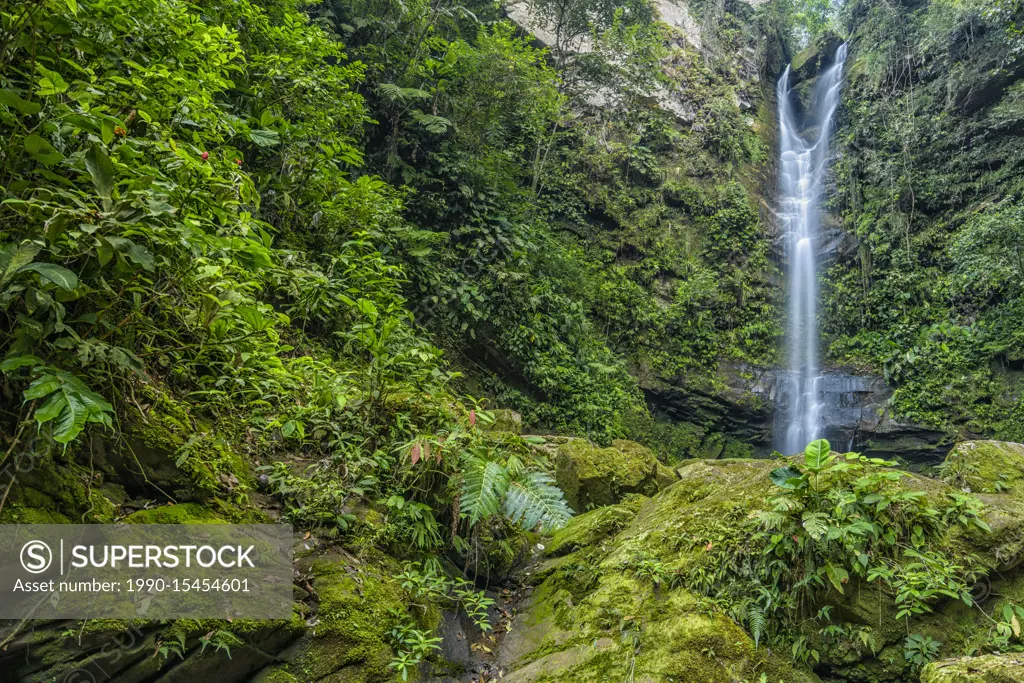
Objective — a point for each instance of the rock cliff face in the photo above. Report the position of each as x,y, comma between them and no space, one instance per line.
925,189
744,405
916,318
698,30
733,412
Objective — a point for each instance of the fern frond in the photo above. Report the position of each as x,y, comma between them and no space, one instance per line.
434,124
786,504
534,499
515,465
395,93
771,521
757,622
484,484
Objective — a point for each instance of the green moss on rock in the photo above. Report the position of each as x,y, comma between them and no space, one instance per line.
590,585
994,472
19,514
58,492
359,605
275,675
622,626
184,513
1007,668
176,449
592,476
987,466
589,528
506,421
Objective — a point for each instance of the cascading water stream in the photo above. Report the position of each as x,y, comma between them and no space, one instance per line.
802,169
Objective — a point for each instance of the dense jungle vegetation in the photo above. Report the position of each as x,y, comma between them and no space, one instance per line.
301,261
929,186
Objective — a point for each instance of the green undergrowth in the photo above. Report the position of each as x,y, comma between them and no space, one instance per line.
836,560
928,187
201,305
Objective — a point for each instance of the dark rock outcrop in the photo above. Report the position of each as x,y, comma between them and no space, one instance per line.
745,404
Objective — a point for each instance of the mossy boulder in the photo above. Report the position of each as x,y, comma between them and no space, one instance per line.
592,476
1007,668
994,472
275,675
590,619
592,581
358,603
498,550
586,529
987,467
49,490
506,421
813,59
127,650
168,447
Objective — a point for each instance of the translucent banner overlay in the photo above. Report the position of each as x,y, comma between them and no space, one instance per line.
147,571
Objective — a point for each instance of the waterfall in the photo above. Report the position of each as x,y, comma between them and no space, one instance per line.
802,165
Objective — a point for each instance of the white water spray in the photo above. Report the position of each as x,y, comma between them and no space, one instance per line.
802,169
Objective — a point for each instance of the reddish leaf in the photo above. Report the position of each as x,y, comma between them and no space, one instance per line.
472,418
438,455
426,451
414,454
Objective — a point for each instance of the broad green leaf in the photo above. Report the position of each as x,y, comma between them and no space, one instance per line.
815,524
101,170
57,225
12,100
816,455
58,275
42,386
51,409
50,82
15,257
94,403
107,131
158,207
73,6
104,251
16,362
71,420
41,150
136,253
265,138
787,477
837,576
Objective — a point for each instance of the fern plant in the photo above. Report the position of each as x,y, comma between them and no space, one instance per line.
487,477
528,498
